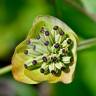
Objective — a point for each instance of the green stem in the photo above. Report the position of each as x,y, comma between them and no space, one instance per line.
86,44
82,45
5,69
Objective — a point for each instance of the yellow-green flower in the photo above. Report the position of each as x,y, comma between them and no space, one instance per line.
47,54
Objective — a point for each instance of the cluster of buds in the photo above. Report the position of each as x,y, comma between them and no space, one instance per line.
47,54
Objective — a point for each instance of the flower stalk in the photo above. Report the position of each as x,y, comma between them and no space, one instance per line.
81,46
5,69
86,44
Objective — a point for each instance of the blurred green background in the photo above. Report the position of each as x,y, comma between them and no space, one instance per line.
16,18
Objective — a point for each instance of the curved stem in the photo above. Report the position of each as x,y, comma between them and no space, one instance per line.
82,45
5,69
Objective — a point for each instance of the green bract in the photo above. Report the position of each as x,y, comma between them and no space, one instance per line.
47,54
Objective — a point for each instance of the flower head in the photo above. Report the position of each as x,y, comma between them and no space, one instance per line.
47,54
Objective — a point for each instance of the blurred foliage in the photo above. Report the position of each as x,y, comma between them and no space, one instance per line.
87,63
14,88
90,6
73,16
16,18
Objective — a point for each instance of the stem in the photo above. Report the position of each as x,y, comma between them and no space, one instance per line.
5,69
86,44
82,45
81,9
